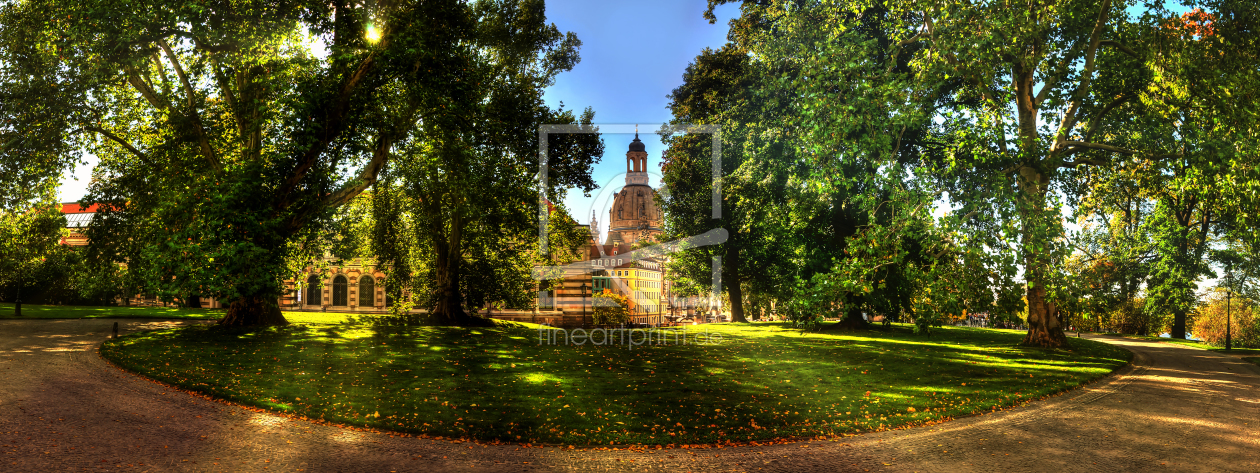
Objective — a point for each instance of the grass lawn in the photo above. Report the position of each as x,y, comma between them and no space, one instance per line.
1154,338
1192,343
1255,360
760,382
30,311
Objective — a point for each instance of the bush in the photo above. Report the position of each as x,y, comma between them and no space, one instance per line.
1132,318
1209,321
610,309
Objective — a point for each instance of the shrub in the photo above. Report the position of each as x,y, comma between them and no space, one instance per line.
1209,321
610,309
1132,318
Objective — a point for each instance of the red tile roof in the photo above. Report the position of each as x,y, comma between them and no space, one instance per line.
74,208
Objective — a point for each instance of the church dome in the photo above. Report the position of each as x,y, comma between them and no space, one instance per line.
636,146
634,214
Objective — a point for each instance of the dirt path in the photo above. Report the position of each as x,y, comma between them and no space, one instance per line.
63,408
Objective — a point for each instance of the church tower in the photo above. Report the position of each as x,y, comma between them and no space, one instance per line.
636,163
634,215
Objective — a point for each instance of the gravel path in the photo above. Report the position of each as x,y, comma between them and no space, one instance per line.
63,408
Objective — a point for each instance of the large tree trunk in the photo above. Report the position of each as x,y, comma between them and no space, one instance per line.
1179,324
1045,329
253,311
732,280
852,321
1178,330
450,303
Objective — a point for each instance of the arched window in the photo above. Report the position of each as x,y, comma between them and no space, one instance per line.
313,290
367,291
339,291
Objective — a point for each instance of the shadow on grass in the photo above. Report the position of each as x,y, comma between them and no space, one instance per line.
760,381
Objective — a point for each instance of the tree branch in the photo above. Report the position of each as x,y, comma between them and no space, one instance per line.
950,240
1094,124
1012,169
115,138
1051,81
367,177
166,81
1120,46
226,86
333,125
1082,89
892,63
1084,144
1082,162
147,92
206,149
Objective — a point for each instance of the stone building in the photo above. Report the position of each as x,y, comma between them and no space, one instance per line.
358,285
634,215
633,219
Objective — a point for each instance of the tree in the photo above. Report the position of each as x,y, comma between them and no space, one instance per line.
467,180
1178,199
1112,253
794,197
224,139
1186,188
1243,327
1026,95
610,308
717,89
1240,265
30,241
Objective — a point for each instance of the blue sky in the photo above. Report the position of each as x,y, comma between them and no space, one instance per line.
633,56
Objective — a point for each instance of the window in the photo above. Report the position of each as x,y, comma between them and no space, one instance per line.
367,291
313,290
339,291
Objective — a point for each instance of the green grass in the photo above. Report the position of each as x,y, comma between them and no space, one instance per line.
30,311
761,382
1191,343
1155,338
317,317
1255,360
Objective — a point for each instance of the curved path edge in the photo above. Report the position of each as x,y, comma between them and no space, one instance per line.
63,406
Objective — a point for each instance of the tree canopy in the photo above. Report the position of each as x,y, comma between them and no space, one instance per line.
1005,108
228,132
